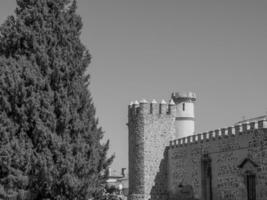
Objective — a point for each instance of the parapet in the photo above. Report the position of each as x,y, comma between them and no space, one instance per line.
153,107
231,131
184,96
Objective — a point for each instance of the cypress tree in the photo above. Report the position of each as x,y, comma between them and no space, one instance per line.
50,140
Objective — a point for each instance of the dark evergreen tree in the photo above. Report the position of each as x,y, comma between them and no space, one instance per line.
50,140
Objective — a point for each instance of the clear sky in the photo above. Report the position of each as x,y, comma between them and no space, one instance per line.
150,48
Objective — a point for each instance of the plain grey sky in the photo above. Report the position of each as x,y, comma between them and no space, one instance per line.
150,48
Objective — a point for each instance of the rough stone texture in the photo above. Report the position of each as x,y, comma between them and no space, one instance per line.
231,154
136,157
163,171
151,127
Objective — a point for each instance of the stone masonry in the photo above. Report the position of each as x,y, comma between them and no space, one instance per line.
234,153
147,168
225,164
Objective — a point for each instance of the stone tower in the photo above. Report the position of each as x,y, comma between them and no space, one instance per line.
185,115
151,127
227,163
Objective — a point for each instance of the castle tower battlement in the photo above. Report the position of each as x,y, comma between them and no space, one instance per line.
185,114
151,127
168,161
153,108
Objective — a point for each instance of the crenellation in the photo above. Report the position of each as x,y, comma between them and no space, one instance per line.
205,136
194,138
133,107
189,139
186,141
171,109
152,108
262,124
144,101
245,127
229,132
161,164
210,135
265,123
237,129
154,101
163,102
183,141
163,107
252,125
180,141
217,133
224,133
136,103
144,107
172,102
199,137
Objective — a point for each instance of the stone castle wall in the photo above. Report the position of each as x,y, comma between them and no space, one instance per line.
232,152
136,157
151,127
209,166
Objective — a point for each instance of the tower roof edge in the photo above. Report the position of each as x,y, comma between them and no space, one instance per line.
183,96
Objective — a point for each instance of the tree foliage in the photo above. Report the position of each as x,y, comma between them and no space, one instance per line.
49,136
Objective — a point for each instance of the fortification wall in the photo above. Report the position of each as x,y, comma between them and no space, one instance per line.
233,152
136,149
151,127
